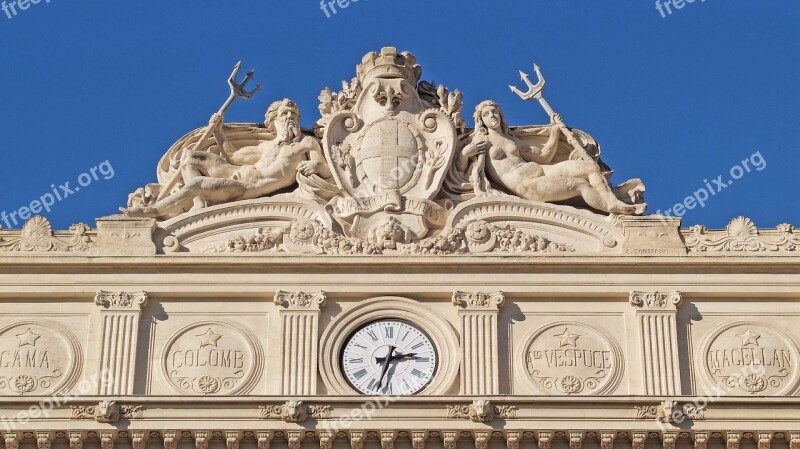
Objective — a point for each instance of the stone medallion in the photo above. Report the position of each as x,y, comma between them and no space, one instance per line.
212,357
751,357
573,358
38,358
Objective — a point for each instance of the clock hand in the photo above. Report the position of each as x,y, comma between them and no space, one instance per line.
386,366
410,355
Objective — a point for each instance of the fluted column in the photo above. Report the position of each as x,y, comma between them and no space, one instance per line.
479,350
299,328
656,313
120,312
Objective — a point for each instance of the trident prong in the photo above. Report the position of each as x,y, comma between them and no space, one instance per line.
238,89
534,90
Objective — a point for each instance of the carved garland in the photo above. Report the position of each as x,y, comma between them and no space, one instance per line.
473,237
741,235
37,236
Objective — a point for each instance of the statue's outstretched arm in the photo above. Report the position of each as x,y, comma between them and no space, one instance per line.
545,154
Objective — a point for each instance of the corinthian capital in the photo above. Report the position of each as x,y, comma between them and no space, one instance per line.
124,301
478,300
300,300
656,300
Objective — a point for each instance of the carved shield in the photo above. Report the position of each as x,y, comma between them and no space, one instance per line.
389,154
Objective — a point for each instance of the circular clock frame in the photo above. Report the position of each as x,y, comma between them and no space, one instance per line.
440,332
402,322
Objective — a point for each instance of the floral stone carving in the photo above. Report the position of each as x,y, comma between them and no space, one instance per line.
573,358
39,358
741,235
37,236
481,410
212,358
311,237
107,412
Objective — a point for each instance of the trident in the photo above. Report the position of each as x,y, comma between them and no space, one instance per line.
536,91
237,91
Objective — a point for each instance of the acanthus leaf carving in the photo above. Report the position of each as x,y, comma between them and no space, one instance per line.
127,301
299,300
656,300
481,410
295,411
478,300
37,235
107,412
670,412
742,236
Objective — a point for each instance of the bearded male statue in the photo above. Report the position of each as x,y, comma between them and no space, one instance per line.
243,173
529,172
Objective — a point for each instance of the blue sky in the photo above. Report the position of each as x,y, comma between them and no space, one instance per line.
675,100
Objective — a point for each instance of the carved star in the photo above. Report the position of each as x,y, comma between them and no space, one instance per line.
567,338
749,338
209,338
27,338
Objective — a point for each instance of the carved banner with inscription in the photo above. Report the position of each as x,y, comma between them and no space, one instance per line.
573,358
752,357
37,358
212,358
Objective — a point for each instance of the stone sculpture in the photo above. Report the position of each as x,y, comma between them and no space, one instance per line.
529,171
247,172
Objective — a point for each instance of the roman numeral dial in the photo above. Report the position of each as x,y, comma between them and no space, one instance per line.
389,357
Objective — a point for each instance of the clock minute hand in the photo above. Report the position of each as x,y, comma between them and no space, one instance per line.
386,366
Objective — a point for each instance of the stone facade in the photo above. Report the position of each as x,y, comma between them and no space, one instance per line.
399,289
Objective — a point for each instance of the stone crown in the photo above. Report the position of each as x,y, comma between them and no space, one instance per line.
389,64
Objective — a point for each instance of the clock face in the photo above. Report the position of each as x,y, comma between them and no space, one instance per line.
389,357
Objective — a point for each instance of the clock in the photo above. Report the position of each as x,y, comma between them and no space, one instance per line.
389,357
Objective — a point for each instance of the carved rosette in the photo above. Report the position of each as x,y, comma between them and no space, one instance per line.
550,357
212,358
41,357
751,357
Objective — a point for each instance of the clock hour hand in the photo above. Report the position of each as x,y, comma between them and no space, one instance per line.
388,359
410,355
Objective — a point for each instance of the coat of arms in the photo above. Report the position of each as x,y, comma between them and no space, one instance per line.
390,152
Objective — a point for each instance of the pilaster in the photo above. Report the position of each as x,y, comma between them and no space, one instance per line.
120,313
300,313
656,314
479,350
